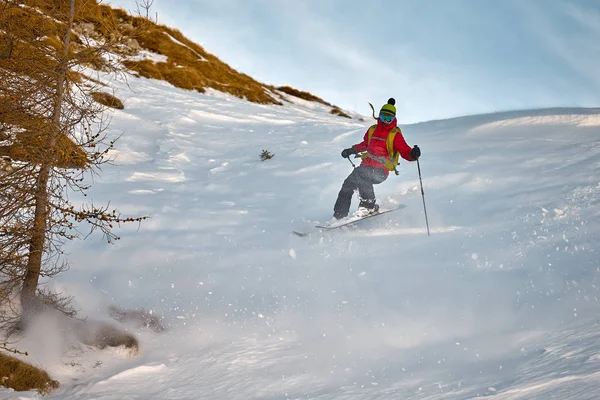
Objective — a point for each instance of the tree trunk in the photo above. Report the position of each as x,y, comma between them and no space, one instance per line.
38,235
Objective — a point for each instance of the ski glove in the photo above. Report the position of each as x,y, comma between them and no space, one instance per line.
415,153
348,152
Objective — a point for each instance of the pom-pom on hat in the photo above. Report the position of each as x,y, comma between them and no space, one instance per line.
389,108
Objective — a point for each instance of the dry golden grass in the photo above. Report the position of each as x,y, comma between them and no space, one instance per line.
303,95
22,376
337,111
190,67
108,100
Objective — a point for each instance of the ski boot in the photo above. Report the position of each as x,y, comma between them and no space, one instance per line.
366,207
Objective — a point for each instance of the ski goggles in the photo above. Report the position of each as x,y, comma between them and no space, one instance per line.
386,118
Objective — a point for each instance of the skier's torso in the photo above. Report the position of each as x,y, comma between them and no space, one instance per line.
377,146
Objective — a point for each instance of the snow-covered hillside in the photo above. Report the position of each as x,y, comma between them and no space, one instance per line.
499,302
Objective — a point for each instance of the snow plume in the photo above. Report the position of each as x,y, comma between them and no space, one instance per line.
51,339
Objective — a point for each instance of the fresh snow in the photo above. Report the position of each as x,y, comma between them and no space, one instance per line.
501,301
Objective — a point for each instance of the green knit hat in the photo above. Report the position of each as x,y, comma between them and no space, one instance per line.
389,108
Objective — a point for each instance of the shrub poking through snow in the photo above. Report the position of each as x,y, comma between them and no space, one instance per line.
108,100
302,95
337,111
21,376
265,155
101,335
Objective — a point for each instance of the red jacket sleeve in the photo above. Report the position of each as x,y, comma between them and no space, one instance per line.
362,146
402,147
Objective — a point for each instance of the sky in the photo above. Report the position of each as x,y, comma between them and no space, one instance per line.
438,58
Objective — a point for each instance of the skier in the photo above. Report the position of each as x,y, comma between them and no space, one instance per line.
380,148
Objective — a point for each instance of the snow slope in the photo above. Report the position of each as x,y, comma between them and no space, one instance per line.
499,302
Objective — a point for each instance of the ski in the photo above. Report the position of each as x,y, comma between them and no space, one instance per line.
352,220
349,221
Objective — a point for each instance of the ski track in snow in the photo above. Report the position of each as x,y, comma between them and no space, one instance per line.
499,302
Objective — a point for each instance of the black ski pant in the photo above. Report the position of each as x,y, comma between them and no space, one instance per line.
363,179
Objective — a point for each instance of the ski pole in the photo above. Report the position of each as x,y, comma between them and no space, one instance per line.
423,195
353,166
